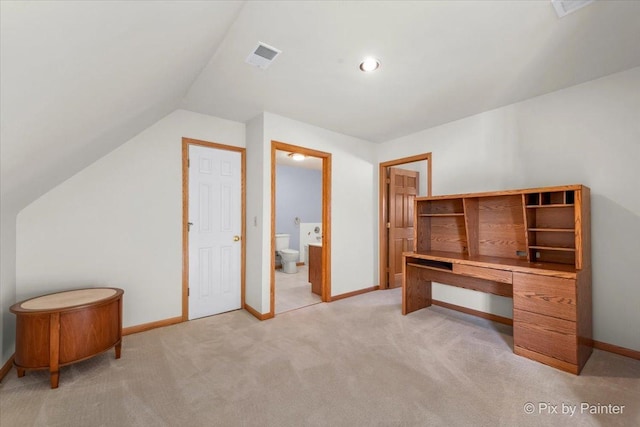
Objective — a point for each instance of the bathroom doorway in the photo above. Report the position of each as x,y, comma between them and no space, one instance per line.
300,219
401,181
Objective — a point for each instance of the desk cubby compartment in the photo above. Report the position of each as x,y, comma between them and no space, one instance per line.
495,226
550,198
532,199
445,207
428,263
441,233
441,226
541,218
551,233
561,239
553,254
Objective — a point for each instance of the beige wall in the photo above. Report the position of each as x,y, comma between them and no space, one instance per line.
118,222
352,198
352,203
258,219
587,134
7,283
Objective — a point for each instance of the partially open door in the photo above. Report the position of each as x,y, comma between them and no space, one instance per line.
403,188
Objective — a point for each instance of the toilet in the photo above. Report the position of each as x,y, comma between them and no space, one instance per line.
288,256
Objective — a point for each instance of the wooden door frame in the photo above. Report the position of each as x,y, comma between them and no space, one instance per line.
186,142
326,218
383,196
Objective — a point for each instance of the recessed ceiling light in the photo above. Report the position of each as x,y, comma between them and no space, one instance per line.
369,64
297,156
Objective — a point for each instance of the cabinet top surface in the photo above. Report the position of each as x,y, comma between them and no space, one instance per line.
521,266
574,187
66,300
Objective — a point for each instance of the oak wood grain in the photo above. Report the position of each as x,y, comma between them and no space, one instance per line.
384,207
551,296
54,337
547,360
546,335
492,274
572,187
416,289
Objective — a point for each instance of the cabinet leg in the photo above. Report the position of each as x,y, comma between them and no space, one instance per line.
54,349
20,372
55,377
416,290
118,350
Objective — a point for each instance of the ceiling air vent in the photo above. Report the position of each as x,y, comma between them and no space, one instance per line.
565,7
263,55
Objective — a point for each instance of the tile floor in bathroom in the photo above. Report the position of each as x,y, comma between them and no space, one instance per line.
294,290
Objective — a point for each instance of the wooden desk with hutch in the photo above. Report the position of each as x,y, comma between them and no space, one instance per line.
531,245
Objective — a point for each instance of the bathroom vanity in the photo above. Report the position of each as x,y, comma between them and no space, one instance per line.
315,267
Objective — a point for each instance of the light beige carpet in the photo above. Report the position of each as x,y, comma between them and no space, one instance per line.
353,362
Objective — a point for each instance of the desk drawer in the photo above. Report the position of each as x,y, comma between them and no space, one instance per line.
545,335
551,296
501,276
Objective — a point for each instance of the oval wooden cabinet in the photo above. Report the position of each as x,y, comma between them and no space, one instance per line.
66,327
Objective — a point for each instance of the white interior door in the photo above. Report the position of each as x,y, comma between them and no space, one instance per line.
214,234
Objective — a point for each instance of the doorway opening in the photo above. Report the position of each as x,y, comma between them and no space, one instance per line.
213,214
401,180
312,238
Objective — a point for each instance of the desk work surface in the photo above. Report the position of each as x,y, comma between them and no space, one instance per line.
523,266
551,303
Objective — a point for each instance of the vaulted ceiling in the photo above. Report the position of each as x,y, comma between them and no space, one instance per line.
80,78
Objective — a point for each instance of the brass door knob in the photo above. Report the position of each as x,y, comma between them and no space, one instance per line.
236,238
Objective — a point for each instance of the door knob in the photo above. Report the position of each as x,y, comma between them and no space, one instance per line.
236,238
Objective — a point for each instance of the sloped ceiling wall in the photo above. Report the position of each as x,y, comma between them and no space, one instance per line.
80,78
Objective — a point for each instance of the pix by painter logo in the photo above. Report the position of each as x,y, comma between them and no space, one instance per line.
548,408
